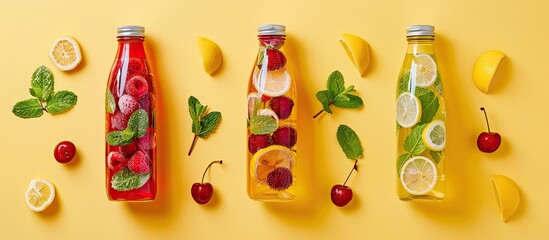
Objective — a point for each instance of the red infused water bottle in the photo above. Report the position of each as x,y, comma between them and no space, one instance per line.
130,104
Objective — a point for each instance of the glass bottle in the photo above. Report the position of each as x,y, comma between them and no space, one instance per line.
421,118
130,121
272,119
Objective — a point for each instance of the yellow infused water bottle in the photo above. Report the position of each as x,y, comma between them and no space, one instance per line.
272,119
420,121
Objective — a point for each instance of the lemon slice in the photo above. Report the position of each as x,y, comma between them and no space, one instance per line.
39,195
418,175
485,68
425,70
507,195
434,135
211,55
358,51
254,100
408,110
274,83
65,53
268,159
268,112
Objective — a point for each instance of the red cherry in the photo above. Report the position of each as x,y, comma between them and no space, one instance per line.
64,152
203,192
488,142
341,194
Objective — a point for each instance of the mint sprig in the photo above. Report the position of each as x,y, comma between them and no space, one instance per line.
337,94
125,180
413,145
262,125
45,99
202,125
136,128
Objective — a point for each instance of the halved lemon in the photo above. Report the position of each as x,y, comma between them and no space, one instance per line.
434,135
267,159
211,55
408,110
418,175
425,70
254,100
65,53
485,68
272,83
39,195
358,51
507,195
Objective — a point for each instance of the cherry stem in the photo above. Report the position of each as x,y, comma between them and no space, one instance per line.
316,115
486,116
354,168
203,175
193,144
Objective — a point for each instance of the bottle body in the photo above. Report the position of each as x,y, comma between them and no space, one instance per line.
272,124
130,125
421,128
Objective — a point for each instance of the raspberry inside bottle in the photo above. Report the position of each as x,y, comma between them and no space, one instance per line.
272,119
130,104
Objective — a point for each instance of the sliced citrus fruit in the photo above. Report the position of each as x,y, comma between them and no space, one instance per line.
211,55
39,195
65,53
485,68
425,70
268,159
272,83
418,175
268,112
358,51
408,110
507,195
434,135
254,100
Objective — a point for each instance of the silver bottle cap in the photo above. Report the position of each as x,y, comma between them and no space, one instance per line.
271,29
131,31
420,30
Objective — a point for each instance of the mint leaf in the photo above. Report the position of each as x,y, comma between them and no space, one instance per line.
438,85
125,180
404,82
348,101
413,143
120,138
260,56
61,102
326,98
349,142
208,123
30,108
262,125
138,123
336,83
436,155
429,106
42,83
402,160
195,108
110,103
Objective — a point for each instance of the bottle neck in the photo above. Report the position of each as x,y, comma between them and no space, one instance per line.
420,44
130,47
276,41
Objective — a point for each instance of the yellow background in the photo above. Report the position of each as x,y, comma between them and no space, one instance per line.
465,29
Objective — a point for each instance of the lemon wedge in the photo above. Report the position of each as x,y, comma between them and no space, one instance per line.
39,195
485,68
507,195
358,51
211,55
65,53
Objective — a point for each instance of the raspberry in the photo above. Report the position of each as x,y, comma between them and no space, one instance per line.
136,66
127,104
282,106
285,136
147,102
256,142
127,150
116,161
280,179
147,142
119,121
139,163
137,86
277,60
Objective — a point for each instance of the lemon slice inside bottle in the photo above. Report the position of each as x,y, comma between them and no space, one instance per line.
418,175
39,195
434,135
272,83
268,159
425,70
408,110
65,53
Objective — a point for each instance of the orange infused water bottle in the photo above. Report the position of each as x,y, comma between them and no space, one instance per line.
420,121
272,118
130,141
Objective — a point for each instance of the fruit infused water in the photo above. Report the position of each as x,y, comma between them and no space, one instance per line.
421,121
130,121
272,119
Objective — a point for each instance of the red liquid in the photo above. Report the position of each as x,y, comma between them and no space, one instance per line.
132,80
